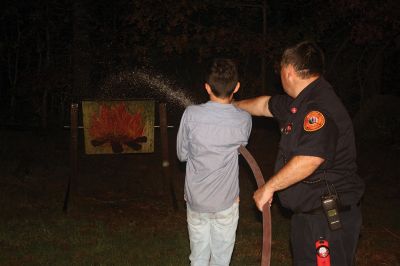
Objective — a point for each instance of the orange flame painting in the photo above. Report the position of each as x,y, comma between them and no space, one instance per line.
115,126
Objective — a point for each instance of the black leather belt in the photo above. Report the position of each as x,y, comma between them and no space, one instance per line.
320,210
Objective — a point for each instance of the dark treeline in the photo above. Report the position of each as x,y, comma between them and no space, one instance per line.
54,52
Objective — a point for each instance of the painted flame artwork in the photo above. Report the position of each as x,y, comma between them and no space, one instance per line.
114,125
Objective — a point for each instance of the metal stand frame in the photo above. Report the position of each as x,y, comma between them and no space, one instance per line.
72,179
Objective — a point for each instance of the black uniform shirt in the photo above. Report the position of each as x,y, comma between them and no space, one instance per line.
316,123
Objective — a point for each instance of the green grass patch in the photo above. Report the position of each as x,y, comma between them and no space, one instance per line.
121,219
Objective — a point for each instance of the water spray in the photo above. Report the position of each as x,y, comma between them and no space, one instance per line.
133,81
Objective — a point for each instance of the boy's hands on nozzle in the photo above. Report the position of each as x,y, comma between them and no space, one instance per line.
262,196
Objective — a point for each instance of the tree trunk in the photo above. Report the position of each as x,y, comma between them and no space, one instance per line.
13,69
44,109
374,74
81,47
264,37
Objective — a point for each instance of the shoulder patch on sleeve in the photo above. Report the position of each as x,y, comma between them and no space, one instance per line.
314,121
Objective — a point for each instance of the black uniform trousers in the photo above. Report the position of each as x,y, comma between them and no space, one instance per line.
306,229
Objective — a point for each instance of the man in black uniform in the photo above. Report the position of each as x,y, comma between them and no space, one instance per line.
316,158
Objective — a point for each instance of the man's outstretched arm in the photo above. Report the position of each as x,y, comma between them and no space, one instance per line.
255,106
297,169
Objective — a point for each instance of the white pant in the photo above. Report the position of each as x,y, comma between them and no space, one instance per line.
212,236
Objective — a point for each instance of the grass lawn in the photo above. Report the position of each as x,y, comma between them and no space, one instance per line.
120,213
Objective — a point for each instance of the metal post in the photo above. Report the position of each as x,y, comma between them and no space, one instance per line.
165,155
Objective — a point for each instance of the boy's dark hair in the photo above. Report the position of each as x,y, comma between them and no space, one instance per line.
306,58
222,77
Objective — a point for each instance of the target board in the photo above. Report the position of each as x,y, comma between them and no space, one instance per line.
118,126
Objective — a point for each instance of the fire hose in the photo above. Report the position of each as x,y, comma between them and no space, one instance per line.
266,212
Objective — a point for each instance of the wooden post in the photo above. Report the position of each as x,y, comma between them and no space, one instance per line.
73,153
165,155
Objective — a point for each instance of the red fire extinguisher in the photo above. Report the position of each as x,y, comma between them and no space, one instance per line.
323,256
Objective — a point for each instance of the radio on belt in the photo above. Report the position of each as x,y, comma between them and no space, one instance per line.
329,204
